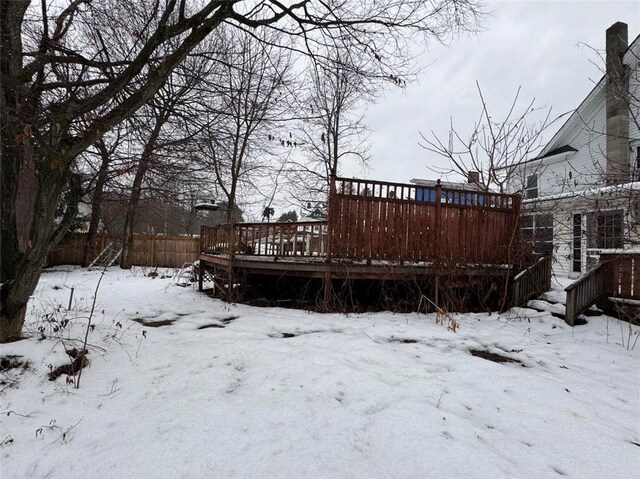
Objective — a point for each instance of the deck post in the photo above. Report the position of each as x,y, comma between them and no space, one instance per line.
327,291
438,220
329,242
330,220
200,274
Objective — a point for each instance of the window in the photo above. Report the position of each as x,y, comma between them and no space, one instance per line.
539,230
576,249
527,227
605,229
532,187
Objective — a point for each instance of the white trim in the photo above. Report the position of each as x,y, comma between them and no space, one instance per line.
602,190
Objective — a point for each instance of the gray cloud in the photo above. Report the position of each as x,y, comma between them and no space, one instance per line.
533,44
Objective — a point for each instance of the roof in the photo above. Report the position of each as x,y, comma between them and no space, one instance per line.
557,151
575,115
445,184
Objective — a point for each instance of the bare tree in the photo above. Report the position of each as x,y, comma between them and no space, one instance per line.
64,85
106,154
158,131
250,100
494,148
333,131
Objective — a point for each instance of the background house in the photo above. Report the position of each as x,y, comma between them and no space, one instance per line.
582,192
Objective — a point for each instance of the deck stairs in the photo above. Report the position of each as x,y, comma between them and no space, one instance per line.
532,282
532,288
589,296
107,257
554,302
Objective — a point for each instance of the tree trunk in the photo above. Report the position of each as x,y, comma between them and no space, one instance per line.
15,296
11,127
132,207
15,292
136,190
96,202
17,278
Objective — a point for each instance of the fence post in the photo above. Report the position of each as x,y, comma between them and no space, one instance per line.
153,248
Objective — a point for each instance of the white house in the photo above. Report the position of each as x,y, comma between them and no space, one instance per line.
582,192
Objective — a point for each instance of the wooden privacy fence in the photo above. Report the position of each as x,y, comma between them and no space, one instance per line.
147,250
376,220
623,274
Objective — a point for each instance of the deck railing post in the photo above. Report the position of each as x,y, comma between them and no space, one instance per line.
515,237
438,232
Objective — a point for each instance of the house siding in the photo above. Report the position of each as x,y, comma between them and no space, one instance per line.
573,172
563,211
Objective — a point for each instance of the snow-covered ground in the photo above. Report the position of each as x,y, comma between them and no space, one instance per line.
286,393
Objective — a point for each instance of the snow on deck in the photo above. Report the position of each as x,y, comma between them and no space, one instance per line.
285,393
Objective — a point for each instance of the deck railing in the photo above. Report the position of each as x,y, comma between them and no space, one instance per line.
382,221
585,292
300,239
377,220
532,281
374,189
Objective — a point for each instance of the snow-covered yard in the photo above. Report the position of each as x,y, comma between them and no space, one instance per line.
286,393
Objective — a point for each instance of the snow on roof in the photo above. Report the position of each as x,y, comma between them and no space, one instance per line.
602,190
206,206
309,219
620,251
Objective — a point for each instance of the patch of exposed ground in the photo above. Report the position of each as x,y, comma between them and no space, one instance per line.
393,339
284,335
154,324
495,357
212,325
221,324
12,361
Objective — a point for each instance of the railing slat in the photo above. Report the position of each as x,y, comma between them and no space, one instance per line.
585,292
534,280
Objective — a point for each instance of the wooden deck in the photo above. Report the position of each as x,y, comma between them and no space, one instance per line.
377,230
320,268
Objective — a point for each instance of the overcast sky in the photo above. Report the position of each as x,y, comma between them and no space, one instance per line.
532,44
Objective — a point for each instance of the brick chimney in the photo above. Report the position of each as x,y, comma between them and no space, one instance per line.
617,105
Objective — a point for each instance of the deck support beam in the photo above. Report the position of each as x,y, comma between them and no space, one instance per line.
327,290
